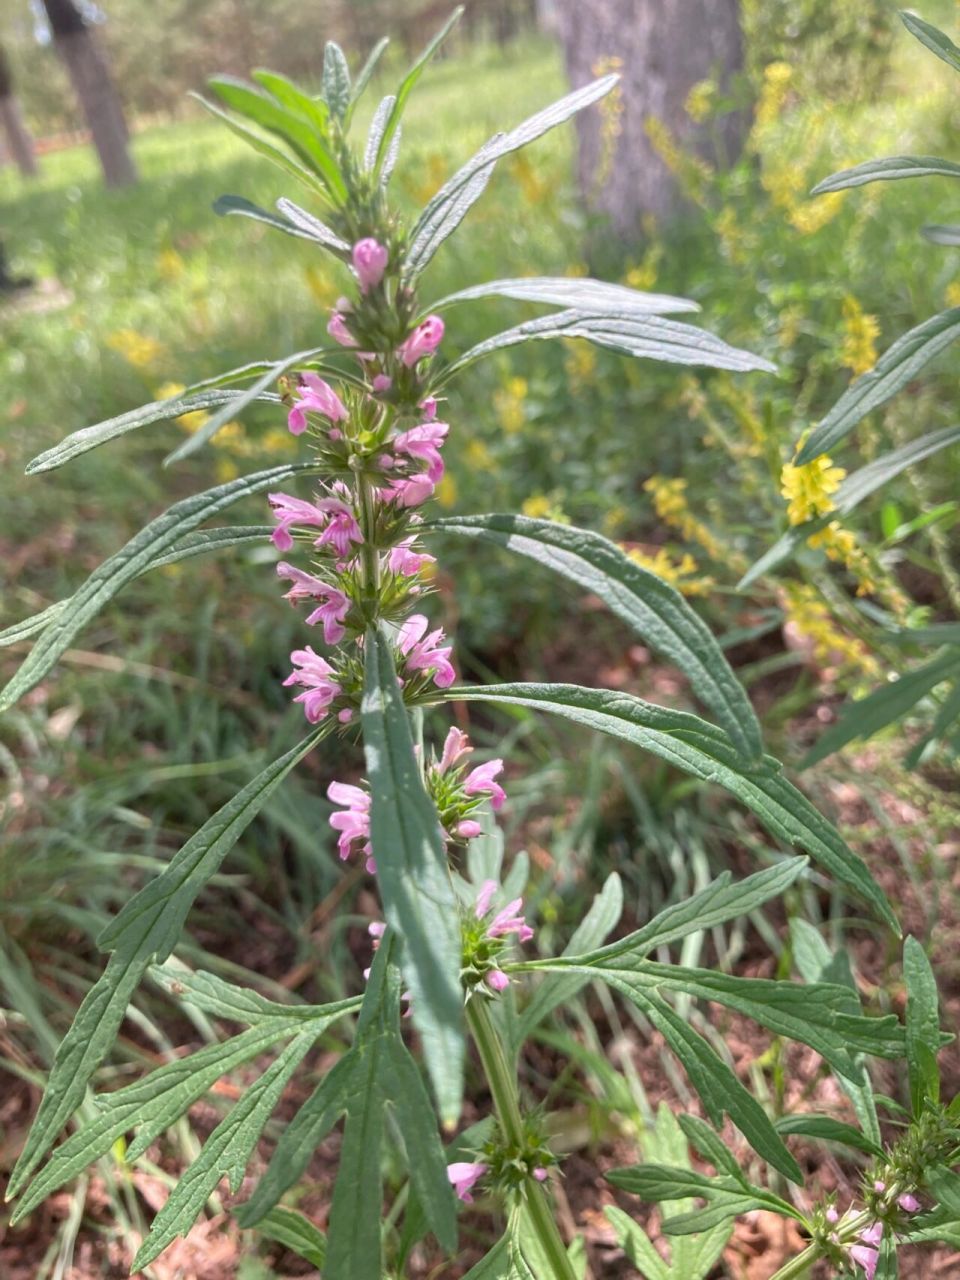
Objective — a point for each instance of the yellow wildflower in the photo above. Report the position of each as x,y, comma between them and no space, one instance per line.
789,324
952,294
858,351
773,94
811,215
785,183
138,349
276,440
809,489
678,573
644,275
170,264
611,120
579,362
814,629
735,241
700,100
692,171
670,503
479,456
508,401
537,506
321,286
447,491
431,174
226,470
528,178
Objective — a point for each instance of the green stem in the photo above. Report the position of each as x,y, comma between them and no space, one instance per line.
503,1090
798,1266
369,556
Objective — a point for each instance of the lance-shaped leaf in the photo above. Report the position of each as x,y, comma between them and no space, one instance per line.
719,1089
146,929
656,611
265,148
585,295
158,411
336,80
700,749
866,716
815,963
296,1233
212,994
857,487
655,338
412,875
312,226
194,544
408,84
313,111
294,130
227,206
197,439
897,366
725,1196
935,40
366,72
558,989
826,1129
225,1153
436,222
923,1026
939,234
156,539
890,169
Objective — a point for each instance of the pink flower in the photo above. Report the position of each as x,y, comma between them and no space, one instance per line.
341,527
832,1215
369,262
318,679
425,339
331,613
496,980
289,511
338,331
480,781
382,383
426,652
867,1253
879,1186
412,492
406,562
507,920
468,829
424,442
318,397
429,407
455,747
540,1174
464,1177
909,1203
353,823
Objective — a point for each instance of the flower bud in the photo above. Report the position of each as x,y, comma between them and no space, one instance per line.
369,262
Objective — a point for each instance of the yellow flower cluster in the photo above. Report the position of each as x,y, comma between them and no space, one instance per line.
580,362
679,573
541,507
809,489
529,178
508,401
815,628
230,439
644,274
691,171
810,215
858,350
138,349
699,102
426,178
670,503
611,120
841,546
773,95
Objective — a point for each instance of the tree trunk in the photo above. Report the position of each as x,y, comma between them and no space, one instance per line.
11,121
94,88
664,48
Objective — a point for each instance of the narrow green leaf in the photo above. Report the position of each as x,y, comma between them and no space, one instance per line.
408,84
413,876
923,1026
585,295
240,205
153,541
197,439
637,1246
299,135
224,999
90,437
866,716
826,1129
264,148
363,79
890,169
855,489
898,365
654,338
336,80
448,207
656,1183
194,544
719,1089
942,235
225,1153
699,749
655,610
558,989
935,40
296,1233
711,1147
151,1104
313,227
496,1265
312,111
146,929
300,1139
722,900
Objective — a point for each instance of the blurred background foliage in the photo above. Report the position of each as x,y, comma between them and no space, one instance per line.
165,710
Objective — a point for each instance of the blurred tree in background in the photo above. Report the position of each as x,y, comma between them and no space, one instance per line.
18,140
